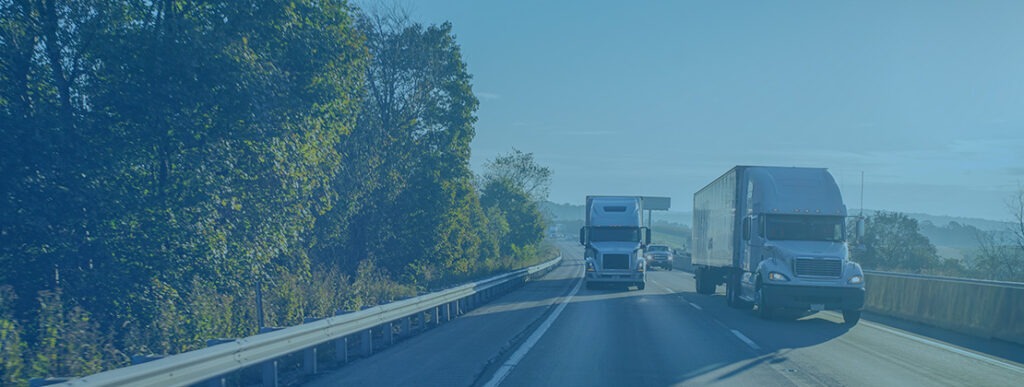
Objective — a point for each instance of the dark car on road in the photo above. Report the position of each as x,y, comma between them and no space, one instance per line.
659,256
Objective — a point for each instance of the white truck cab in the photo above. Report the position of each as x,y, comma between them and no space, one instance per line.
614,239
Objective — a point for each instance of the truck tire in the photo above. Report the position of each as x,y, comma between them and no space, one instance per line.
704,284
764,310
851,317
697,279
641,285
669,267
732,295
709,286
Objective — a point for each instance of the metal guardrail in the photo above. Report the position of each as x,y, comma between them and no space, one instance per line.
212,363
1015,285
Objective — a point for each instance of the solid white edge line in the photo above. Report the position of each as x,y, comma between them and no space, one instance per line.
525,347
695,306
950,348
750,343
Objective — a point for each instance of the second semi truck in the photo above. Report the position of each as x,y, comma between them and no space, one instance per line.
776,237
614,239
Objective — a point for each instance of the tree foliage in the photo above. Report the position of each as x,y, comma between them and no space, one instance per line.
522,171
892,241
164,158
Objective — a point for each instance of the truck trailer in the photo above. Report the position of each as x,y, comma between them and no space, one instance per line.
614,239
776,238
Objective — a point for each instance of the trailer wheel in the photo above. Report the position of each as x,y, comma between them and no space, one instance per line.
851,317
709,285
730,294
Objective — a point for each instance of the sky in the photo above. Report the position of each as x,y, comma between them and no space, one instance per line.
659,98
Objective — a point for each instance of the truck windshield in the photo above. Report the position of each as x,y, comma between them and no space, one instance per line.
614,234
804,228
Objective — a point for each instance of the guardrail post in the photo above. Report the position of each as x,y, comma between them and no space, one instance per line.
341,350
437,315
389,333
447,312
309,354
270,373
407,326
366,342
309,361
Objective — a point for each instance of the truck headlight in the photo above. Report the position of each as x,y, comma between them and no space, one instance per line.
856,280
776,276
590,266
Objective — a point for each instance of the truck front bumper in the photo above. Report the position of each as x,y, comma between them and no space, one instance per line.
814,297
610,277
662,263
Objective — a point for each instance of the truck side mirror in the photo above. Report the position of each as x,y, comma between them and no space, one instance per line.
647,236
860,228
583,236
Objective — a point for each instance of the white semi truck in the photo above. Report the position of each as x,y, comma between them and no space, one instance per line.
614,239
776,237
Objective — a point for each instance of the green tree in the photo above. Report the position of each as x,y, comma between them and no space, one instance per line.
521,170
519,210
892,241
12,348
156,145
410,204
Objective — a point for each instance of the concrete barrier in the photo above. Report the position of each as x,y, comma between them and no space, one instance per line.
987,309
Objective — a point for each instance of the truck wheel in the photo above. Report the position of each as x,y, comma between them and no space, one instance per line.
851,317
669,267
709,286
763,310
641,285
697,278
730,294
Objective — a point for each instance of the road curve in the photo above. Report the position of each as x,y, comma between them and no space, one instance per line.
669,335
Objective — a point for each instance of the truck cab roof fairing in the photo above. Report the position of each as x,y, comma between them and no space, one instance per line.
615,212
783,190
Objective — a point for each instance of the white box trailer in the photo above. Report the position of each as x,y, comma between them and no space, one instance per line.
776,237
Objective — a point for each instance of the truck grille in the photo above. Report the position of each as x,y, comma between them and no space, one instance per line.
616,261
809,267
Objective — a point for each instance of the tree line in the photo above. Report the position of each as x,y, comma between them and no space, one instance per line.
893,241
167,165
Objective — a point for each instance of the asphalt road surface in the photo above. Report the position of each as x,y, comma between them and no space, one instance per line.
554,332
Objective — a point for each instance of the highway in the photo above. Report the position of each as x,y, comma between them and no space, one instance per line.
554,332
